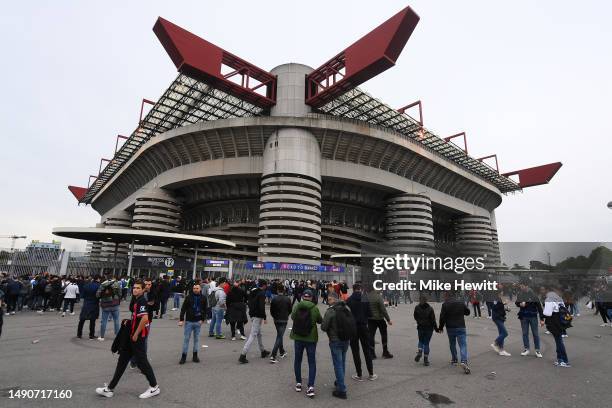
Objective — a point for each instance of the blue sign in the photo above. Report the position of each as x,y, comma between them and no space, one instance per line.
293,267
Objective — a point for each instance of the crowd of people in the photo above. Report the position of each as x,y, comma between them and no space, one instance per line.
349,320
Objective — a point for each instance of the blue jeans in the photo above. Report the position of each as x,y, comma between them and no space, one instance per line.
311,349
609,312
217,318
280,332
338,353
503,333
114,312
457,335
561,354
191,327
424,339
526,323
177,300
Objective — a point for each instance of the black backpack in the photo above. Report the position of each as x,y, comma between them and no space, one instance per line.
345,324
565,317
302,324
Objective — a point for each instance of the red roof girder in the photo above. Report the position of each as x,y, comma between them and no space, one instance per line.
535,176
202,60
372,54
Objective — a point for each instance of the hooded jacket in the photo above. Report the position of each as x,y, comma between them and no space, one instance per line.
315,316
358,303
329,324
425,317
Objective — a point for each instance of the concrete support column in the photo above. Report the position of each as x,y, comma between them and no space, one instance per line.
158,210
473,234
409,223
118,219
290,201
495,254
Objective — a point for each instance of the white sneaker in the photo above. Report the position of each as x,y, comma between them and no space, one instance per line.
373,377
233,339
356,377
564,364
40,312
100,338
603,325
105,391
504,353
495,347
546,332
174,309
13,313
310,392
150,392
72,314
63,314
577,314
564,336
242,337
538,354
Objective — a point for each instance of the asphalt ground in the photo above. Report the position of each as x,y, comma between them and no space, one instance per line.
41,352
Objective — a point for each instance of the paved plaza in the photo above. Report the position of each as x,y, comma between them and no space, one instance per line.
41,352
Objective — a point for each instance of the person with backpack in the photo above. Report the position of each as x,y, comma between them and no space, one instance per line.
498,315
217,299
257,312
193,314
530,309
425,318
304,333
109,294
361,312
557,319
340,327
280,308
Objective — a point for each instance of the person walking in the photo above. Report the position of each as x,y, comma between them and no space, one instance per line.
530,309
178,288
71,291
217,298
305,335
340,327
378,320
498,315
553,305
280,309
452,316
257,312
138,333
236,313
193,314
91,307
475,299
425,318
109,294
360,309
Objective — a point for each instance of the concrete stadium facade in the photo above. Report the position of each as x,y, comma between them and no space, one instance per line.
297,186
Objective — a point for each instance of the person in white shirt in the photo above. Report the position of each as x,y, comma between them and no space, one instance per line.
552,305
70,294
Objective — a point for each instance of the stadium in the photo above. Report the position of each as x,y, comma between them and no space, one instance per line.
295,165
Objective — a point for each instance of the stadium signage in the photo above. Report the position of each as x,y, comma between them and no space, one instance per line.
293,267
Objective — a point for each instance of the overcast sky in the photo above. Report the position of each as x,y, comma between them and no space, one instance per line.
530,81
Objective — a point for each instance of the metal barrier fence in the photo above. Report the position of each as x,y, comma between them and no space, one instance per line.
31,262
